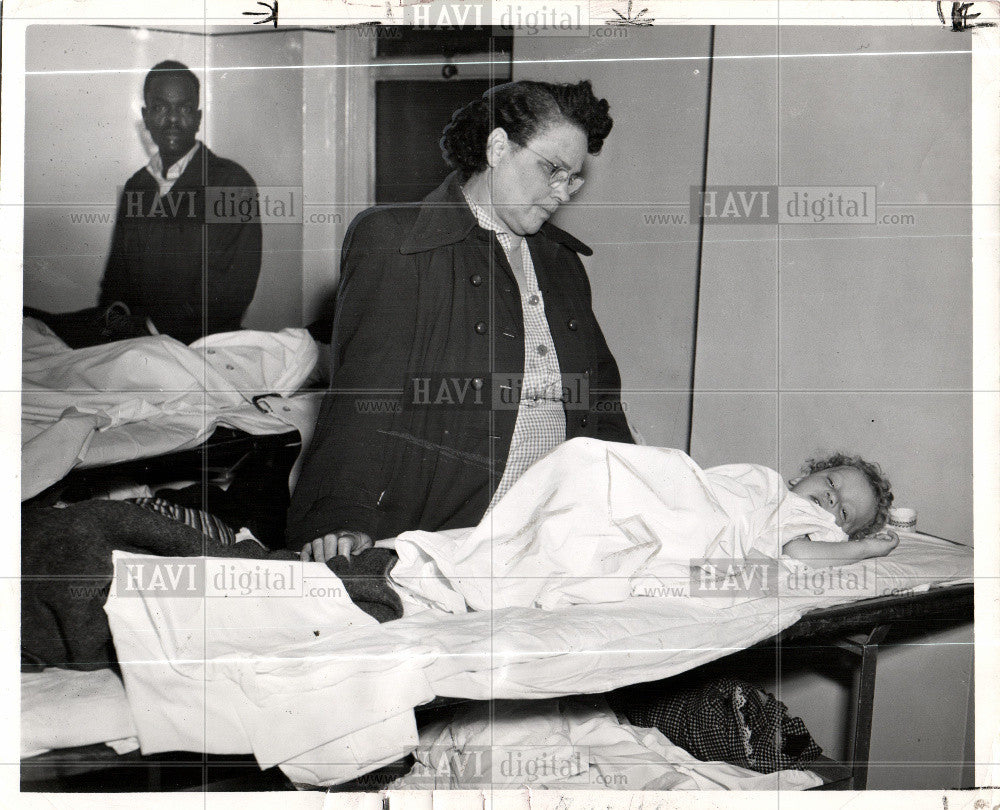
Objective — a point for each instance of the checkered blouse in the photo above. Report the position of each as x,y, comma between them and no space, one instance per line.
541,420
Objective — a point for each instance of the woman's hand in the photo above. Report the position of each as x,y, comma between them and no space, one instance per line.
344,542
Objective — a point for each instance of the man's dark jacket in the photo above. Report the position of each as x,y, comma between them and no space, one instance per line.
191,275
415,430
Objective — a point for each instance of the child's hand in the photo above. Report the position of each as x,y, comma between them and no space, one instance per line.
878,545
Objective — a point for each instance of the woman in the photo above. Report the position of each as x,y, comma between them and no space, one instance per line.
480,311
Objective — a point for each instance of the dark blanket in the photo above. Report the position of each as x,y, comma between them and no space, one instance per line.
66,575
93,326
366,580
729,720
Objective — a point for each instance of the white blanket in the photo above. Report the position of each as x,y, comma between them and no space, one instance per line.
593,521
576,744
151,395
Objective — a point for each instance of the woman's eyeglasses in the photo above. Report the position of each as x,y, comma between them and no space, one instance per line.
559,175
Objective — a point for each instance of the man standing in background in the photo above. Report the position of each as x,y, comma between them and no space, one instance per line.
175,262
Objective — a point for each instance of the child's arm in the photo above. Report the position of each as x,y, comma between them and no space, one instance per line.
811,551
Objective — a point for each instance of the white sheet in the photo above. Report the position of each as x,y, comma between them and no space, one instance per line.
151,395
63,708
568,744
591,519
269,648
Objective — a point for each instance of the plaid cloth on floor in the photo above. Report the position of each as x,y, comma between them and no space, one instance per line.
209,525
729,720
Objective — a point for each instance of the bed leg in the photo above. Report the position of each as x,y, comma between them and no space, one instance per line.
867,650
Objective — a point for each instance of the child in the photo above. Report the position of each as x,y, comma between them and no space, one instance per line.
593,518
858,496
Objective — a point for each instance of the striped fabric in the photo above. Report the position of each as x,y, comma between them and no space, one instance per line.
209,525
541,419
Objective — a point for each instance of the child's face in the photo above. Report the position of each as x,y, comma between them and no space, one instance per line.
844,492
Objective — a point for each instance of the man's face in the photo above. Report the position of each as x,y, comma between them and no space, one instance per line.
522,196
844,492
172,116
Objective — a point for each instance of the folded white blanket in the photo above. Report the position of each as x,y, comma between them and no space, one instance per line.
228,673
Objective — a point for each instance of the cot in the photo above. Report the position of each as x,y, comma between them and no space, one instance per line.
521,654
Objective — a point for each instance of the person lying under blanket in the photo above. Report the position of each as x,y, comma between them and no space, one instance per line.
585,524
592,521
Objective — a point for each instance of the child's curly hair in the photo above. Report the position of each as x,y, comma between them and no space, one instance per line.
880,486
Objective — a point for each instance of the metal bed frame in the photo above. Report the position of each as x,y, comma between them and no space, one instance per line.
859,629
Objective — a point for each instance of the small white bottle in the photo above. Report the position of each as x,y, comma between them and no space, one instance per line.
902,518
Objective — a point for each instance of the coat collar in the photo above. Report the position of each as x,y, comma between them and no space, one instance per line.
445,218
194,173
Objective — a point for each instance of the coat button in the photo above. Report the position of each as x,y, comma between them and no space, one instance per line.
572,325
476,279
584,421
586,372
534,300
477,383
542,349
481,328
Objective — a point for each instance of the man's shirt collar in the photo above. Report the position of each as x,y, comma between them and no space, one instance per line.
176,169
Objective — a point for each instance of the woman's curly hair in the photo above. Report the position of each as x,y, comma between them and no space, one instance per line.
522,109
879,483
